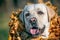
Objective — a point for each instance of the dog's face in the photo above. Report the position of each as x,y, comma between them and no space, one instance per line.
35,18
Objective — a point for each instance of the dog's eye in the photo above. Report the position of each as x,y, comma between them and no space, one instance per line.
40,12
27,14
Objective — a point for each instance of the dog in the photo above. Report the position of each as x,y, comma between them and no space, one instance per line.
36,19
35,22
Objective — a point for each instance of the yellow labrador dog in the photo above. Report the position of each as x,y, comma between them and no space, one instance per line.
36,19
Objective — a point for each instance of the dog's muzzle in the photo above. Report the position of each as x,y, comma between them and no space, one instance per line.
33,21
35,30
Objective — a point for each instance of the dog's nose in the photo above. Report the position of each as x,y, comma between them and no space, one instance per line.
33,19
33,22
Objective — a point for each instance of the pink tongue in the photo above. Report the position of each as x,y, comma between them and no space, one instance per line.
34,31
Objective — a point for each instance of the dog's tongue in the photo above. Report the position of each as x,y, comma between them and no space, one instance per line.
34,31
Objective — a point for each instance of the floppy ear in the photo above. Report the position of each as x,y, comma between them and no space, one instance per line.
51,13
21,16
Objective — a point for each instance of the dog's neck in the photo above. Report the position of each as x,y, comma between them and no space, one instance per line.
25,35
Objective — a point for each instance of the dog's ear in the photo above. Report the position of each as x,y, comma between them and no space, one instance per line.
21,16
51,13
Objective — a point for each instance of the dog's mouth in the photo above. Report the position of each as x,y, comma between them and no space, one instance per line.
34,31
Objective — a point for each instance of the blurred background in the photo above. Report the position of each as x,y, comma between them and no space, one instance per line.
7,6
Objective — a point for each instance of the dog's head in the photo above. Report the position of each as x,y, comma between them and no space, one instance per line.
36,17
